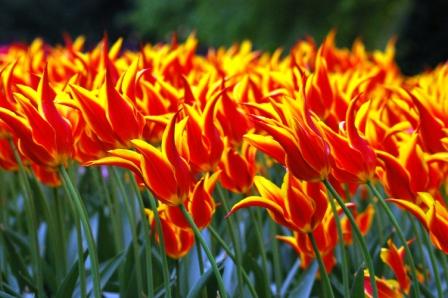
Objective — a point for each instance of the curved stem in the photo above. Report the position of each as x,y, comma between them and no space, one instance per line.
31,221
165,268
117,226
81,261
264,260
400,234
212,260
234,233
81,212
133,226
345,269
146,240
201,265
323,271
233,257
434,264
275,258
358,236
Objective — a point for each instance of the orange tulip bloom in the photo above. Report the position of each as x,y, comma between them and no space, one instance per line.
326,237
395,177
233,120
430,128
203,142
44,134
387,288
237,170
432,215
300,206
307,154
165,172
364,221
112,116
394,258
200,204
178,242
354,159
7,160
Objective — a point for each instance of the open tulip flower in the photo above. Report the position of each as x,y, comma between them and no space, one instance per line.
432,214
164,172
297,205
326,141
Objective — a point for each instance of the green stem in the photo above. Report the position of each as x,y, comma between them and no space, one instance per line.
146,241
31,221
358,236
401,236
133,225
178,291
442,256
60,230
212,260
234,233
418,239
80,248
165,268
82,214
201,265
345,269
323,271
105,194
264,260
233,257
434,264
275,258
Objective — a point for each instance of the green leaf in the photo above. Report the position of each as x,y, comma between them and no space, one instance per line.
68,284
306,282
200,284
289,278
6,295
10,292
107,269
358,283
15,257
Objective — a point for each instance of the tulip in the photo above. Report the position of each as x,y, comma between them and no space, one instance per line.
164,172
237,169
431,214
394,258
178,242
300,206
307,154
387,288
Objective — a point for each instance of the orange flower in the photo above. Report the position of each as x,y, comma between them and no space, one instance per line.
44,134
433,216
7,160
164,172
300,206
394,257
354,159
232,119
200,204
237,170
326,237
430,128
178,242
387,288
203,142
111,116
364,221
395,177
307,154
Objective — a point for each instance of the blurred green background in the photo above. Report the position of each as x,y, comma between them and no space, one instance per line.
421,26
